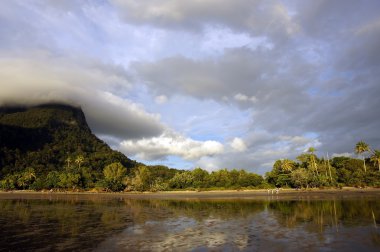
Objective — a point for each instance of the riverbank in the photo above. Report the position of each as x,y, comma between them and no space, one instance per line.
215,194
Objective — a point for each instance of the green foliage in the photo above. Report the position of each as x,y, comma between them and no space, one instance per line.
68,180
9,182
200,178
87,178
300,178
182,180
114,172
52,180
361,148
159,185
375,158
313,172
287,165
114,176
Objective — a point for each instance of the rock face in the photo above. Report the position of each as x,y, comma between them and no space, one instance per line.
47,136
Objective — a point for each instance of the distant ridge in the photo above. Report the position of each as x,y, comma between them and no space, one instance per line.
43,137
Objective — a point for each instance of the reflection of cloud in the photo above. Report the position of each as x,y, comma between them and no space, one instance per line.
272,225
182,234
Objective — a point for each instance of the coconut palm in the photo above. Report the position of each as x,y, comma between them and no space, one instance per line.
375,158
68,160
329,166
29,174
360,148
287,165
79,160
313,163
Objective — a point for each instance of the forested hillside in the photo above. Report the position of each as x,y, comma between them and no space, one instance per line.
52,137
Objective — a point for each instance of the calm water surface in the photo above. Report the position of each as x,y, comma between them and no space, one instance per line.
120,223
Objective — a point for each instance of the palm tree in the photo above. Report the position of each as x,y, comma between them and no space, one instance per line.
68,160
79,160
375,158
29,174
329,166
287,165
360,148
313,163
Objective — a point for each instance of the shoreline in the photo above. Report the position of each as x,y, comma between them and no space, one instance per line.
259,194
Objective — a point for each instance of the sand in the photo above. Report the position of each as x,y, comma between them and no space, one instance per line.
261,194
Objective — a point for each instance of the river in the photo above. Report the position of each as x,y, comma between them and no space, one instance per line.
55,222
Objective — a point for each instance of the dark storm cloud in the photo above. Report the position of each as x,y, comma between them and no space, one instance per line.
36,78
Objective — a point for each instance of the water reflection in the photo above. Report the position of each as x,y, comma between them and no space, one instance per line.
125,224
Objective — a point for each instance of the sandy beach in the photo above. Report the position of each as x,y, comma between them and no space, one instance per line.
260,194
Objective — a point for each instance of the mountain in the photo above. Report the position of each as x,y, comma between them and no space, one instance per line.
50,137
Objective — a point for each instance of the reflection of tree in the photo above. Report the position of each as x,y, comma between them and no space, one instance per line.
375,237
60,224
196,209
113,219
318,215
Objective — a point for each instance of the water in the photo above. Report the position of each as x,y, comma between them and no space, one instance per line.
121,223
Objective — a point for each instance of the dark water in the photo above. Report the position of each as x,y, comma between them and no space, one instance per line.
118,223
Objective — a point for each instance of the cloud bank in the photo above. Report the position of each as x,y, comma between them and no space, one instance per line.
43,78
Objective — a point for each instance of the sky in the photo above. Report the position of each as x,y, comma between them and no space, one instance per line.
202,83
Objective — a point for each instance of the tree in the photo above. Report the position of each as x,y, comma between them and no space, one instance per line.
329,167
299,178
52,180
360,148
87,177
25,178
287,165
220,178
200,177
9,182
313,163
182,180
142,180
114,175
68,160
29,174
68,180
375,158
79,160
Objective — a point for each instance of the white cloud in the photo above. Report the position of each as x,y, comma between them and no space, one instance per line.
217,39
245,98
345,154
161,99
241,97
170,143
238,144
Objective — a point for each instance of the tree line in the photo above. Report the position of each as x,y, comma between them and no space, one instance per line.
307,171
116,177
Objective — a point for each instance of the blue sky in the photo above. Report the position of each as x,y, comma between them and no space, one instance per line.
211,83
